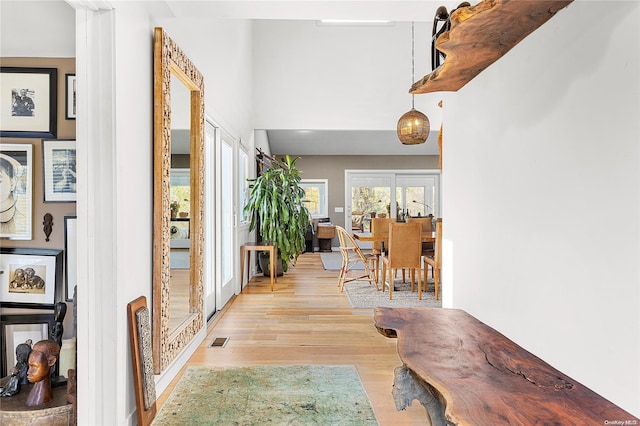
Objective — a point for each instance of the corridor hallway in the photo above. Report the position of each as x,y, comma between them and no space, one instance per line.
306,320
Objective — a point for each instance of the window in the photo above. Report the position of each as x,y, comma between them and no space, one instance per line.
315,199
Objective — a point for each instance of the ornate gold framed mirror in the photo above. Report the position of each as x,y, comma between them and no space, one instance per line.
178,187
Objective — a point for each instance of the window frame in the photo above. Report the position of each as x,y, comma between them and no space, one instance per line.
323,194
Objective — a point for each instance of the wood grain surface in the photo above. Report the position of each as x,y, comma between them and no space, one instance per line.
484,378
482,34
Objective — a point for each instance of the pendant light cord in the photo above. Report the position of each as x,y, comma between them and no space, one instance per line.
413,65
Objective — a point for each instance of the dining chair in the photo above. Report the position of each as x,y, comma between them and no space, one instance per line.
427,226
379,231
435,261
351,256
405,251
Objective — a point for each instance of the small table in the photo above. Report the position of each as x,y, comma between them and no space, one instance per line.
253,246
466,373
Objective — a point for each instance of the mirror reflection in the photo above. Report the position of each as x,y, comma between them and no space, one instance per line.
178,201
180,195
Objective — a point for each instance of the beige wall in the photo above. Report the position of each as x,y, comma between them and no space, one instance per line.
66,130
332,167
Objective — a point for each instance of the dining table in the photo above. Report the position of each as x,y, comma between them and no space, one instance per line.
427,237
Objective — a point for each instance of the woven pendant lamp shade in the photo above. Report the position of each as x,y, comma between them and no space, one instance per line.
413,127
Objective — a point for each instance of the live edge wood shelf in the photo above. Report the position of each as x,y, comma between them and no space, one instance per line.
480,35
476,376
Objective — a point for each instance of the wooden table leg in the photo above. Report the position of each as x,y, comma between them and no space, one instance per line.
272,255
242,250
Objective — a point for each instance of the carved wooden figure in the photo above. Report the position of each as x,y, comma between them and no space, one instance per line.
43,356
47,225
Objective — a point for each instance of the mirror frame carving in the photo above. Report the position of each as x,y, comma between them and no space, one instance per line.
168,58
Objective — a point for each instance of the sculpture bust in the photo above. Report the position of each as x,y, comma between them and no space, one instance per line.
43,356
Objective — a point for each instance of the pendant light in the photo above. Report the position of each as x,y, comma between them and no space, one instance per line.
413,126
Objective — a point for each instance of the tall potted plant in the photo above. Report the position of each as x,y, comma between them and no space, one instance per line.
275,205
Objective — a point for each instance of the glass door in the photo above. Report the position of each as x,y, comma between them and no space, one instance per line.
367,194
390,193
210,219
226,226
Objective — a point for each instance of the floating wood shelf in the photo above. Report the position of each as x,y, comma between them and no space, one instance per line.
480,35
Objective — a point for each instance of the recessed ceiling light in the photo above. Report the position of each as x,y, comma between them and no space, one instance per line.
354,22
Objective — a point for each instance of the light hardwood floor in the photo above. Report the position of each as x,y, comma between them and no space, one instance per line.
306,320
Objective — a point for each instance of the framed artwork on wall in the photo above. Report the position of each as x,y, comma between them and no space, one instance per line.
30,278
70,255
28,102
59,170
17,329
16,189
70,96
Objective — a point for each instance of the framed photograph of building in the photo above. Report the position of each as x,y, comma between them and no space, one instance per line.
59,174
16,189
70,96
28,102
30,278
19,329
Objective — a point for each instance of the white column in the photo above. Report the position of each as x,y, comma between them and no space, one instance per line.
96,299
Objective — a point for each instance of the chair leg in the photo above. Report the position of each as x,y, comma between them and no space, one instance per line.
342,274
391,283
436,280
384,276
420,285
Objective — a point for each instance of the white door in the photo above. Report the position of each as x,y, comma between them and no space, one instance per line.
210,219
226,201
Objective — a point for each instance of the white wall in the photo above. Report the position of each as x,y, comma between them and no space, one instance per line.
221,50
541,196
310,76
37,29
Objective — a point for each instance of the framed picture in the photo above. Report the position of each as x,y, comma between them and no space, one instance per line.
59,174
70,256
17,329
70,96
16,171
28,102
30,278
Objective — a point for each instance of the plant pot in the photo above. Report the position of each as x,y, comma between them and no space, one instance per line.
265,263
174,214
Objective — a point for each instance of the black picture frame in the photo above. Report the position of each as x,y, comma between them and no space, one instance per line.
9,324
70,96
48,260
23,92
70,256
59,170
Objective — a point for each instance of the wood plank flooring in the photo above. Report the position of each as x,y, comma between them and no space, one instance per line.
306,320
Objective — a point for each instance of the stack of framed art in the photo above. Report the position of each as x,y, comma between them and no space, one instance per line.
33,280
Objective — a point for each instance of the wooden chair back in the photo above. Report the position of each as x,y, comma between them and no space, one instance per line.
437,254
380,229
405,245
425,221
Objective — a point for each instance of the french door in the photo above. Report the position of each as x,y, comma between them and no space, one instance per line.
226,202
411,192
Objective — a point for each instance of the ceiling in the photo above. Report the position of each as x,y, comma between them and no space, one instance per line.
346,142
313,141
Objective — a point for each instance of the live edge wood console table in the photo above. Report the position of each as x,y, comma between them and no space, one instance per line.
466,373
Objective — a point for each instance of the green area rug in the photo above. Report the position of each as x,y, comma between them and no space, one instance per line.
268,395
